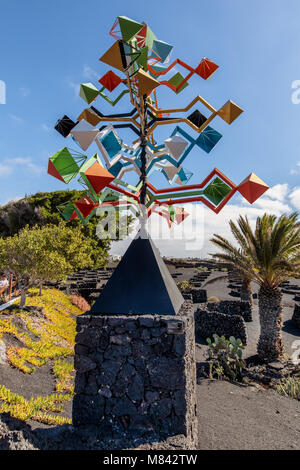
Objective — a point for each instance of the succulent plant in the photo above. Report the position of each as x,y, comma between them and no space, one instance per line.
226,357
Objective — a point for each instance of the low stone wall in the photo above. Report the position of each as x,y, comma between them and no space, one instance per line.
209,322
136,376
234,293
232,307
86,283
198,295
296,316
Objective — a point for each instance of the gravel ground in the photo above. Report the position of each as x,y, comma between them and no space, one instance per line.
237,417
231,417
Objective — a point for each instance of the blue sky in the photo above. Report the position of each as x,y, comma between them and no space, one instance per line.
49,48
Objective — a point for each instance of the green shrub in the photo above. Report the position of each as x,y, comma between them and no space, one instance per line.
225,357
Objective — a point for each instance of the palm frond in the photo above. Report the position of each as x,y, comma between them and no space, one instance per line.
268,254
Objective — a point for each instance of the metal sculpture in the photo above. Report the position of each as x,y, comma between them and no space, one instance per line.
142,58
143,61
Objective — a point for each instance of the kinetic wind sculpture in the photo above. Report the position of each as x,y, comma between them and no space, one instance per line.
144,63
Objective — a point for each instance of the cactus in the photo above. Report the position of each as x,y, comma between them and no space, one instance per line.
226,357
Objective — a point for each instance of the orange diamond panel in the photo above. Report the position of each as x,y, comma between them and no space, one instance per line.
110,80
206,68
85,205
98,177
252,188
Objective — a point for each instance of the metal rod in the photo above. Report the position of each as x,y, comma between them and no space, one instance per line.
144,129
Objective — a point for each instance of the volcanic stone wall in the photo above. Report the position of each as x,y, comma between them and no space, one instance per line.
86,283
135,376
209,322
296,316
198,295
232,307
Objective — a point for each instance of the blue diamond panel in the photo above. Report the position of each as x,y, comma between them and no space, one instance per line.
208,138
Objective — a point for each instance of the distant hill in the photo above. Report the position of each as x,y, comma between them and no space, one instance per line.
38,209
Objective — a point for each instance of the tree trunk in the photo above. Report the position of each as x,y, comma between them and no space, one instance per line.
10,286
270,345
41,289
246,292
23,297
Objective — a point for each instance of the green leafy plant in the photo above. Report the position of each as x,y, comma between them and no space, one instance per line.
39,254
225,357
42,209
63,372
37,408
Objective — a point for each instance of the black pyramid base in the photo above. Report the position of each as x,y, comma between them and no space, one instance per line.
140,285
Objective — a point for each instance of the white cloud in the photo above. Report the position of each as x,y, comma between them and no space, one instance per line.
24,91
16,118
90,73
294,197
27,162
276,206
75,87
219,224
191,238
11,164
296,171
279,191
5,170
205,224
46,128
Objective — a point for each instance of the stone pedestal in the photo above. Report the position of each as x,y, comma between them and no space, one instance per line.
136,377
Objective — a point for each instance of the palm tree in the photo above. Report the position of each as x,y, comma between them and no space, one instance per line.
269,255
246,288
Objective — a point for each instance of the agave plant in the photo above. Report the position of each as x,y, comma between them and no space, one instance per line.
267,255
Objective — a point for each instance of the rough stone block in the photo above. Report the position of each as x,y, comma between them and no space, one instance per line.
108,372
136,389
296,316
209,322
138,379
124,407
232,307
146,321
88,338
87,409
117,352
83,363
